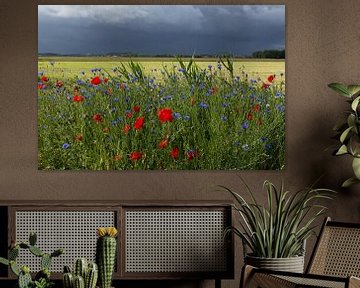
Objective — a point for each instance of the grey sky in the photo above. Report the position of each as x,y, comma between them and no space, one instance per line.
160,29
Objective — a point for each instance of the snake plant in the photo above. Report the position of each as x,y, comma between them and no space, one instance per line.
279,228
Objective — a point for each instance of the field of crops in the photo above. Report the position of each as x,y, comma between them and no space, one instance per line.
160,114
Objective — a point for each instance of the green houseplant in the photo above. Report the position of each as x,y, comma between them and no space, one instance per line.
42,278
349,132
275,233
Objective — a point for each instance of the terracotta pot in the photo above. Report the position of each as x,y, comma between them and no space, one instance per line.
291,264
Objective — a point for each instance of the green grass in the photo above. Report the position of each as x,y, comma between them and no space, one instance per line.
220,118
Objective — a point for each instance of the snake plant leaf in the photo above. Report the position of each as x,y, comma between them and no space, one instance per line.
355,103
340,88
342,150
349,182
345,134
356,167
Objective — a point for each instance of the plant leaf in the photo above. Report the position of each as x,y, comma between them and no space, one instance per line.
345,134
340,88
349,182
342,150
353,89
355,103
356,167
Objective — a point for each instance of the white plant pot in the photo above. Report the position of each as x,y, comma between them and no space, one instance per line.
291,264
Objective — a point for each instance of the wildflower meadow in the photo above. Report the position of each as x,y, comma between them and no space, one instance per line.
165,117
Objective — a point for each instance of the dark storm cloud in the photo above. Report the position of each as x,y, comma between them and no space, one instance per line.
206,29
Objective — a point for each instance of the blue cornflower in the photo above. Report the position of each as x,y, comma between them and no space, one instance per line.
210,67
278,94
280,108
177,115
186,117
203,105
116,99
263,139
223,118
65,146
182,70
237,143
245,147
268,147
224,105
219,65
245,125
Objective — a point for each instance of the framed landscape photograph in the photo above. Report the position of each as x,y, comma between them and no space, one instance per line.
161,87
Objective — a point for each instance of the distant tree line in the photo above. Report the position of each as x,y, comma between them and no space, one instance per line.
273,54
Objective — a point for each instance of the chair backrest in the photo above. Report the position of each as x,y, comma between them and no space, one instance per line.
337,251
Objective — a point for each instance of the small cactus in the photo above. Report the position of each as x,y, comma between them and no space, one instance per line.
24,280
91,276
106,254
68,280
84,274
80,268
32,239
45,261
23,273
79,282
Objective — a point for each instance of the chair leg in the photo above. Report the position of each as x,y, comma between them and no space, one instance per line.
246,274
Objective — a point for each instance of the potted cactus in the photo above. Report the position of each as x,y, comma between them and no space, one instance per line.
106,254
42,278
84,275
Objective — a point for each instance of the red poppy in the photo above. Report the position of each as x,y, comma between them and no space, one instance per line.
165,115
59,83
44,79
96,80
135,156
139,123
122,86
117,157
105,129
79,137
265,85
110,91
136,109
174,153
271,78
97,118
258,122
256,108
78,98
41,86
249,116
128,114
106,80
126,128
163,143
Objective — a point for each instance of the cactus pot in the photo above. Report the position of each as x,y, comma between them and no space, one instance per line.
291,264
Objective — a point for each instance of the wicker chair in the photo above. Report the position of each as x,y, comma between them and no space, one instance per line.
334,263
